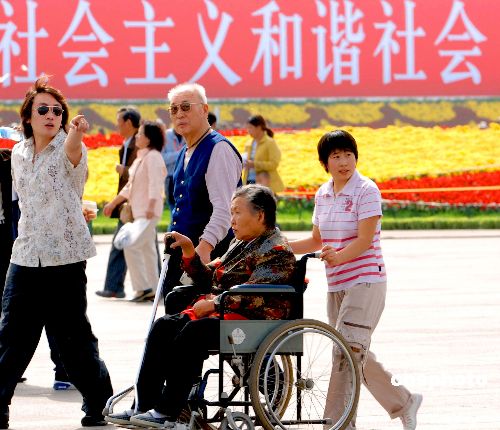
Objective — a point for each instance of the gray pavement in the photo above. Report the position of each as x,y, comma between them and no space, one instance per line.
439,334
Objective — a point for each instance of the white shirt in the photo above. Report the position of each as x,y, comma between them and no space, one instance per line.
126,143
52,229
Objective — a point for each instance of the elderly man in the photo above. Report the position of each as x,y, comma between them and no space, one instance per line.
207,171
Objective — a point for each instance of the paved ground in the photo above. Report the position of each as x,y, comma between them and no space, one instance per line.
440,334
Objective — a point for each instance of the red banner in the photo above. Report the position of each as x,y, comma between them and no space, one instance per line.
138,49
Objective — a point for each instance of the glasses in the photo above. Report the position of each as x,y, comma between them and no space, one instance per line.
185,107
43,110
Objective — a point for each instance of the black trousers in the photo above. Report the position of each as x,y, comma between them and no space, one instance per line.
175,271
5,251
173,360
54,297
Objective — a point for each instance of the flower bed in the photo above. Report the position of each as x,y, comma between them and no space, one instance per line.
298,114
395,157
472,188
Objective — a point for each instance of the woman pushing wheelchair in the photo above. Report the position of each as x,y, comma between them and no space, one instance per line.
259,254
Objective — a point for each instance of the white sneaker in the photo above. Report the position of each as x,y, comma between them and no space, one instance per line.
150,419
409,418
122,418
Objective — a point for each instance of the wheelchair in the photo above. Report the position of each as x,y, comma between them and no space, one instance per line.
274,373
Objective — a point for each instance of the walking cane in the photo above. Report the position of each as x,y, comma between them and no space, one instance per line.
113,400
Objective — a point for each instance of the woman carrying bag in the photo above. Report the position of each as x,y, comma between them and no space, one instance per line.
144,193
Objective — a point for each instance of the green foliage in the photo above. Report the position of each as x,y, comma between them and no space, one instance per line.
295,215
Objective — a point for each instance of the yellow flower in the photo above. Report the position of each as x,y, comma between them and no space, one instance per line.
485,109
384,153
425,111
102,184
356,113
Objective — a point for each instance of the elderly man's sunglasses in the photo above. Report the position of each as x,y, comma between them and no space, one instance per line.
184,106
43,110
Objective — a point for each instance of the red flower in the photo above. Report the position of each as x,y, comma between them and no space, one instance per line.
465,181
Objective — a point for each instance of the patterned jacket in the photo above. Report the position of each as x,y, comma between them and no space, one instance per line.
268,259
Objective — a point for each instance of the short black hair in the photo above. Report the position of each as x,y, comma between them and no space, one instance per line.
212,119
129,113
333,141
154,132
260,198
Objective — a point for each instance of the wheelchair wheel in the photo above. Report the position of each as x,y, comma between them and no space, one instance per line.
231,379
241,422
324,390
277,382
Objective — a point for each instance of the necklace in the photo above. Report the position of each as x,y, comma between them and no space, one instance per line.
200,138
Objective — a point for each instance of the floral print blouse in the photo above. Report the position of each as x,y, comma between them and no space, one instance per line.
52,229
268,259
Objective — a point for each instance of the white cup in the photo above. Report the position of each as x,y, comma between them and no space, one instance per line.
90,206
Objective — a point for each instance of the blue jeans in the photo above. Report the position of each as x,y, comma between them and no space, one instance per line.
117,267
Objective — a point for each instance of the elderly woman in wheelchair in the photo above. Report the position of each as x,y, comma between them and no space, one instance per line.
178,344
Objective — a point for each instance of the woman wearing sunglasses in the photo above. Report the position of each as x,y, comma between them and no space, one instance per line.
46,281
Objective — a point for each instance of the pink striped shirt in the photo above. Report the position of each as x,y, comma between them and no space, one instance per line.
337,218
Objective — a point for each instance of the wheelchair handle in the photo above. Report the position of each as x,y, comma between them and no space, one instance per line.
311,255
168,241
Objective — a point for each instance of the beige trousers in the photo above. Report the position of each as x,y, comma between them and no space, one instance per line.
355,313
142,259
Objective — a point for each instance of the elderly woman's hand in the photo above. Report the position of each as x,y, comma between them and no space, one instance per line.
203,308
180,240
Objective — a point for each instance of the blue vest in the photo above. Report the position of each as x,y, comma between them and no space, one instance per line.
193,208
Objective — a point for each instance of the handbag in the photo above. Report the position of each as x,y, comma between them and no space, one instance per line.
130,232
126,213
126,209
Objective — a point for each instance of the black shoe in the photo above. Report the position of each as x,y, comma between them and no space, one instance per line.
110,294
4,419
93,421
21,379
143,296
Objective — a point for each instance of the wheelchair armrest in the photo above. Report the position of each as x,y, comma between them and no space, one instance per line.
181,287
260,288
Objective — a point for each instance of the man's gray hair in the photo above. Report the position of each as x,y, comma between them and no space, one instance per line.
191,87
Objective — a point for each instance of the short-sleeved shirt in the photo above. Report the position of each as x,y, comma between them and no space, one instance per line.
337,217
52,229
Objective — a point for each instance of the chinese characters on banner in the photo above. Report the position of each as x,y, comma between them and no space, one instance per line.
138,49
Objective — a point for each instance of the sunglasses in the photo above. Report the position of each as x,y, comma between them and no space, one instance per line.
185,107
43,110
